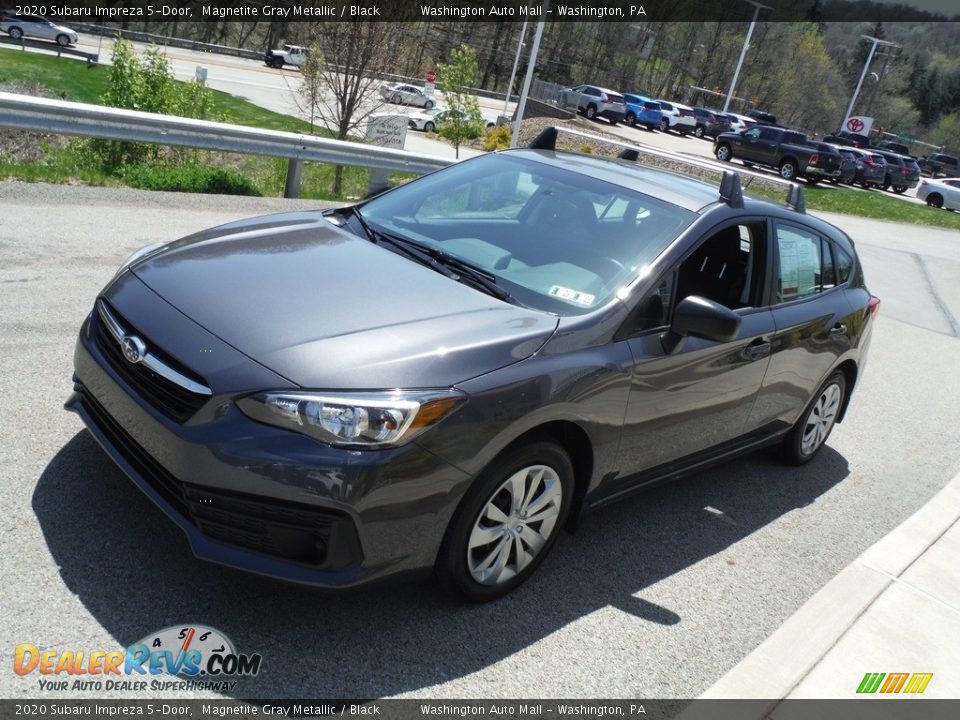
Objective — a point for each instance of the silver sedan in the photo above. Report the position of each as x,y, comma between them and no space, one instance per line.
34,26
401,94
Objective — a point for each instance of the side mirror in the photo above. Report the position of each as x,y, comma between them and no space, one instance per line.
699,317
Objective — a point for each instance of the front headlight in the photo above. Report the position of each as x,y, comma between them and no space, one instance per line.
361,419
139,255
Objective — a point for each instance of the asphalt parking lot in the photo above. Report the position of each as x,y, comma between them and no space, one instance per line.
657,596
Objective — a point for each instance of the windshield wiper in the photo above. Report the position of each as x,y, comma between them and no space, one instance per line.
447,265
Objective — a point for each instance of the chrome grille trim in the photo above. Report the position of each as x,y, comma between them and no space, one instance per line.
152,362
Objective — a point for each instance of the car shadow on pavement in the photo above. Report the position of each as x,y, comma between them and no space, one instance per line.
133,570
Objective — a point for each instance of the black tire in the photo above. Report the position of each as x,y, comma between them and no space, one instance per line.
651,127
698,132
899,189
788,169
15,33
813,180
452,571
747,163
428,105
63,40
684,133
664,125
396,99
886,183
723,153
612,121
793,446
591,112
935,200
429,126
631,119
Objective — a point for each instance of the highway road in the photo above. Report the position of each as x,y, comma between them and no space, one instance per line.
657,596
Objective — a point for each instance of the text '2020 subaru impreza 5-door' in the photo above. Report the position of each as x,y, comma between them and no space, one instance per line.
444,376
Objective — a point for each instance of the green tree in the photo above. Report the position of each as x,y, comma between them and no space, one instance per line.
462,119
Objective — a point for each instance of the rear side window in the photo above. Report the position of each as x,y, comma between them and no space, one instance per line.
806,264
844,265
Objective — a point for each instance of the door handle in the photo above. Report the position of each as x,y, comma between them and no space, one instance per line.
838,329
759,348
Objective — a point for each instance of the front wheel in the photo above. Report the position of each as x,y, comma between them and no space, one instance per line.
631,119
428,127
507,522
428,105
814,426
723,152
63,40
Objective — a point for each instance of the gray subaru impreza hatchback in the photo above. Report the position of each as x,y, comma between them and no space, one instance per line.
442,377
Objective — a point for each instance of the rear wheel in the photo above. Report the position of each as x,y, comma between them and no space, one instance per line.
935,200
428,105
631,119
665,125
507,522
723,152
788,170
15,33
698,132
591,112
814,426
812,180
396,99
428,127
899,189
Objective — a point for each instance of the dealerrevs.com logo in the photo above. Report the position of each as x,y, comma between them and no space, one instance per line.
202,658
894,683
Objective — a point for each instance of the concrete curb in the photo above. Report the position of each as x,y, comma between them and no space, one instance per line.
784,659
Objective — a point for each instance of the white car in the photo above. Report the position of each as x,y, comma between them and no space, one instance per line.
401,94
677,117
427,119
739,123
940,193
18,25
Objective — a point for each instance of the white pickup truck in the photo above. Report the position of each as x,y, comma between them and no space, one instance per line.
290,55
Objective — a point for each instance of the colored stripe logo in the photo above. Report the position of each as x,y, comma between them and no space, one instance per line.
889,683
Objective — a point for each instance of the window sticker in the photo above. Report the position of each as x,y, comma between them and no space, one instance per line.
572,296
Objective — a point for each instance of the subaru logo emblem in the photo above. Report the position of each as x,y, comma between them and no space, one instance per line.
133,348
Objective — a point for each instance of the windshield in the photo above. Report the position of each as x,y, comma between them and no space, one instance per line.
558,241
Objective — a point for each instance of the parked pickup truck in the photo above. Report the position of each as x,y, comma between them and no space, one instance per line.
939,166
786,150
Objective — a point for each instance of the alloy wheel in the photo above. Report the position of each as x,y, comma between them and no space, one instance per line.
514,525
821,418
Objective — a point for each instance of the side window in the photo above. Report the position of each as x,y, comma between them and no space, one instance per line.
654,311
844,265
727,267
768,134
752,133
806,265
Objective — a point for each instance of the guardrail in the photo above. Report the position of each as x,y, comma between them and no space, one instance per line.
69,118
23,43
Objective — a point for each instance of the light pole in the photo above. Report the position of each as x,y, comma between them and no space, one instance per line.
743,51
529,77
516,61
866,67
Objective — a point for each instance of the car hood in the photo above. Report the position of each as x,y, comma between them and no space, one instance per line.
327,309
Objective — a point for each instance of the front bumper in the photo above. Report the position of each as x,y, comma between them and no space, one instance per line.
265,500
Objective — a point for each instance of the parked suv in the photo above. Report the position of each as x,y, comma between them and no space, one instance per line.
848,164
940,166
709,123
595,102
892,146
902,172
643,111
871,168
677,117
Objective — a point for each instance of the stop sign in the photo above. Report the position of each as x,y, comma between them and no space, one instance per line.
431,76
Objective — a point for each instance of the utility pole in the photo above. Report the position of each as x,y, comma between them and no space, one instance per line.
743,51
531,63
516,61
866,67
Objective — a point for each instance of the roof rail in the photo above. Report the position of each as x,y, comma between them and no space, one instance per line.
731,191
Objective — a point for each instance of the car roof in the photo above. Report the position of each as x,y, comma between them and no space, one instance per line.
680,190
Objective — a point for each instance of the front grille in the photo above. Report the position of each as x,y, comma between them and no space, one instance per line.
166,485
301,533
171,399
